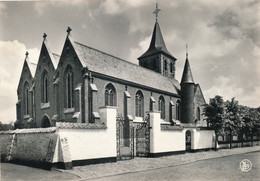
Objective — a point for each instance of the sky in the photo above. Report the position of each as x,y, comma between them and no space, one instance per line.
223,38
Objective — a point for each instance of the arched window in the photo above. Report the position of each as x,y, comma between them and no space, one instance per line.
45,85
178,110
69,87
198,113
110,95
26,98
139,104
161,105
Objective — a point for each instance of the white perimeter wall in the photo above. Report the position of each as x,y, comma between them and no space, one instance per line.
92,143
164,141
175,140
202,139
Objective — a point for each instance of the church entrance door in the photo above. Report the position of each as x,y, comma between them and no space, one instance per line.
188,140
45,122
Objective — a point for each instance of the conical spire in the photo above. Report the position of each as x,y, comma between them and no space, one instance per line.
187,75
157,43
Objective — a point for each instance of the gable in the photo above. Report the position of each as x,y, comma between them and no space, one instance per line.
25,75
68,51
198,95
45,60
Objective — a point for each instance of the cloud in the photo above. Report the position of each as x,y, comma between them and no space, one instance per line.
113,7
138,51
12,54
226,87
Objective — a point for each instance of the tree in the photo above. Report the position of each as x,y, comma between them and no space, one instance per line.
214,112
4,127
233,116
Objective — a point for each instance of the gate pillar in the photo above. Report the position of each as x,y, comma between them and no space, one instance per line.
155,130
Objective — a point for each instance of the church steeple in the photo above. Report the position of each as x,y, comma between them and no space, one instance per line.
187,75
157,57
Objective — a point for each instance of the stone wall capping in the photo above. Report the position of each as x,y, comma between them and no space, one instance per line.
67,125
32,130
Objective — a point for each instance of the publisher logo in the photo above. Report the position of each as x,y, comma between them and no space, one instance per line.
245,165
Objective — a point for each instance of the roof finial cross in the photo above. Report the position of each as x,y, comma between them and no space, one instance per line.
186,50
156,12
44,36
69,30
26,54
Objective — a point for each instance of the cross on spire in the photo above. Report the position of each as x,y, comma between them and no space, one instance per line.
26,53
69,30
44,36
156,12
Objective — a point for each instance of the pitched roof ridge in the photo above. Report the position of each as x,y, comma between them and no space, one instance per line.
126,61
104,53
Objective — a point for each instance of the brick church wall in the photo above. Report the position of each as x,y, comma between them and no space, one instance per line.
68,58
101,83
25,77
44,64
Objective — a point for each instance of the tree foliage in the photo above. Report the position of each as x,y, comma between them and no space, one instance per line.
214,112
229,115
4,127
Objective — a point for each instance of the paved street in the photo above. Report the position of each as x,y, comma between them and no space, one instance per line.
225,168
220,165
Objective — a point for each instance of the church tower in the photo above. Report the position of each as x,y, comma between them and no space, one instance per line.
187,94
157,57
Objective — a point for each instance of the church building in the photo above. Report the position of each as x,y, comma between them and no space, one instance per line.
72,86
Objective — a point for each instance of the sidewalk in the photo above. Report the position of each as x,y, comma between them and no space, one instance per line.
141,164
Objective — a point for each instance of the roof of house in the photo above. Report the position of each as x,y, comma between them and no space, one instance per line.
109,65
157,43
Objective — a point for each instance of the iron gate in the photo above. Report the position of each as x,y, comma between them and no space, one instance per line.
143,138
124,135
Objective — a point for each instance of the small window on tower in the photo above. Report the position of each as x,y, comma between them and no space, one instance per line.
165,64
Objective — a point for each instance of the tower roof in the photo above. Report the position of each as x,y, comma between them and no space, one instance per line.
187,75
157,43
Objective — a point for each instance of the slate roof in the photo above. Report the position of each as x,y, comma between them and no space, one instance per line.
157,43
109,65
187,75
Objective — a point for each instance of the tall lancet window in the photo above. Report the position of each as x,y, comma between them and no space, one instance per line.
45,84
110,95
198,113
69,87
139,104
26,98
161,106
178,110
